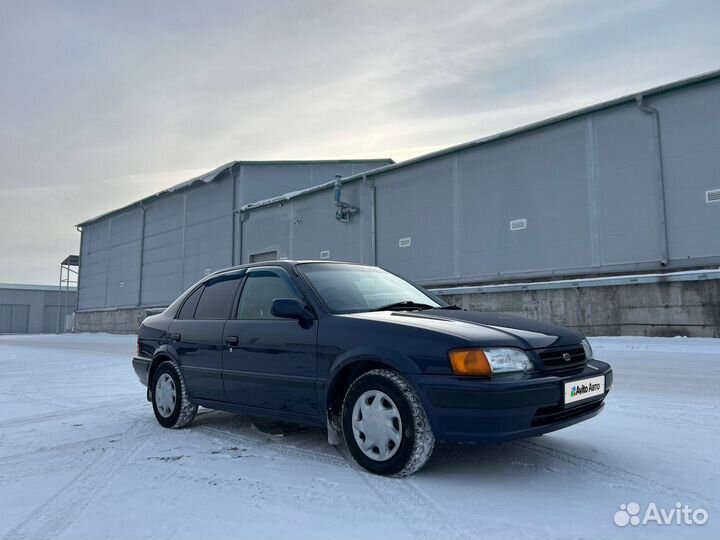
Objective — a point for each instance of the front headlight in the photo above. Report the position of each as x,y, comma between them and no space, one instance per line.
588,349
485,362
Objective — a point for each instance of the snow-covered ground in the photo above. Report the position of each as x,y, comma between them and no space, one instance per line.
81,456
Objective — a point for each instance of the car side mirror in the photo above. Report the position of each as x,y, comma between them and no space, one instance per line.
288,308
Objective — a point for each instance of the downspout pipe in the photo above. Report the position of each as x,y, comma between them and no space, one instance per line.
142,253
78,228
660,171
373,219
234,216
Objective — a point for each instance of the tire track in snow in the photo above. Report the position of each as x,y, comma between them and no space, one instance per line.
90,408
418,512
68,504
275,446
608,471
50,459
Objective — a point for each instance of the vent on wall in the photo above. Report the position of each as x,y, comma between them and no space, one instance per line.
712,196
325,254
518,224
405,242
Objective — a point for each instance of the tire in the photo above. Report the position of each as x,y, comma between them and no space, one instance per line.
394,418
170,400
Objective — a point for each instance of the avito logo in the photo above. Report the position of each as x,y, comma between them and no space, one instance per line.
681,514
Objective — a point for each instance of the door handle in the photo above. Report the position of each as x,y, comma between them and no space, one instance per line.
175,337
232,341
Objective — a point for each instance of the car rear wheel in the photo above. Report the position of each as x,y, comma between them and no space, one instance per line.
385,426
171,403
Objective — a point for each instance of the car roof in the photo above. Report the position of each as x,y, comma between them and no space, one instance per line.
284,263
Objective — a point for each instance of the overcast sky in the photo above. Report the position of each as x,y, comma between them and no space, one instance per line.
102,103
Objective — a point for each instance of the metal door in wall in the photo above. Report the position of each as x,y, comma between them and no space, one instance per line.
14,318
264,257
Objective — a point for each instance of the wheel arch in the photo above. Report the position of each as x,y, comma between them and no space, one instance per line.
349,367
160,356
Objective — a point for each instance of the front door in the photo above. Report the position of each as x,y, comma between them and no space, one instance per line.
197,334
269,362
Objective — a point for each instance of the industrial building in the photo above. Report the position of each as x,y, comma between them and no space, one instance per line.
627,187
145,254
33,309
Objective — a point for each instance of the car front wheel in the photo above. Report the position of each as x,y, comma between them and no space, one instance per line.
385,426
171,403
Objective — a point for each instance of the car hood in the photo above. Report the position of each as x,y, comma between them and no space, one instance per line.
489,329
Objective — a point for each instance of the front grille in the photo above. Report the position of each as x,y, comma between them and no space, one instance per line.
550,415
554,360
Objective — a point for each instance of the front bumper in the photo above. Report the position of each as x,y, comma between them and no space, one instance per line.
464,409
141,365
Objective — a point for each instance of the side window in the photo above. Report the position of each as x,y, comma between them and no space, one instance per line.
260,289
217,298
188,308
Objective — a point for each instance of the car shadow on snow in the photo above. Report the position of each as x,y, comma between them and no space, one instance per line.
526,458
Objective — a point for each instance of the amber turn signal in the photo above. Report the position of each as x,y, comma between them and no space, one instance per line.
470,362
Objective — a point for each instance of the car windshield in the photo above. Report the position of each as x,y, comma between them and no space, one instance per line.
347,288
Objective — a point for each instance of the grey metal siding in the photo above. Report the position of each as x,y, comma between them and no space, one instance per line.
690,128
32,309
148,254
591,192
208,232
417,203
94,261
315,229
163,246
266,231
14,318
123,261
629,192
539,177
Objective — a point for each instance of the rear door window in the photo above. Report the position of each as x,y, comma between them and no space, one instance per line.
217,298
187,311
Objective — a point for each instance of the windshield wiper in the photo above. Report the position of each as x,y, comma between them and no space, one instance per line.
407,304
449,307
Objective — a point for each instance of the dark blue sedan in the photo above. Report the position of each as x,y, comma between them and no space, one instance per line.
367,355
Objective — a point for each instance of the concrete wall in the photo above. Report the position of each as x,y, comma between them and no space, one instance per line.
115,321
682,308
663,308
33,309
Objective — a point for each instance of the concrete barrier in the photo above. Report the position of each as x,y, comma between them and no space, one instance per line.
678,304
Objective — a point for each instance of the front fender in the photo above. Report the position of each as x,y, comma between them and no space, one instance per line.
397,361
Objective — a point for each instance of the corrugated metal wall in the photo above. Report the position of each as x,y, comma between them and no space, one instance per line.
588,189
33,309
147,255
584,195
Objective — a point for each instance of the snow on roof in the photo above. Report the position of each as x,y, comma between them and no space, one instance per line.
21,287
212,175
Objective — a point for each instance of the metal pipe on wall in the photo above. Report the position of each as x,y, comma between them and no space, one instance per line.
142,251
77,294
234,206
373,240
57,320
653,112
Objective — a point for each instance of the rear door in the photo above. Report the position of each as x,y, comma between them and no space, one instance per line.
197,334
272,362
